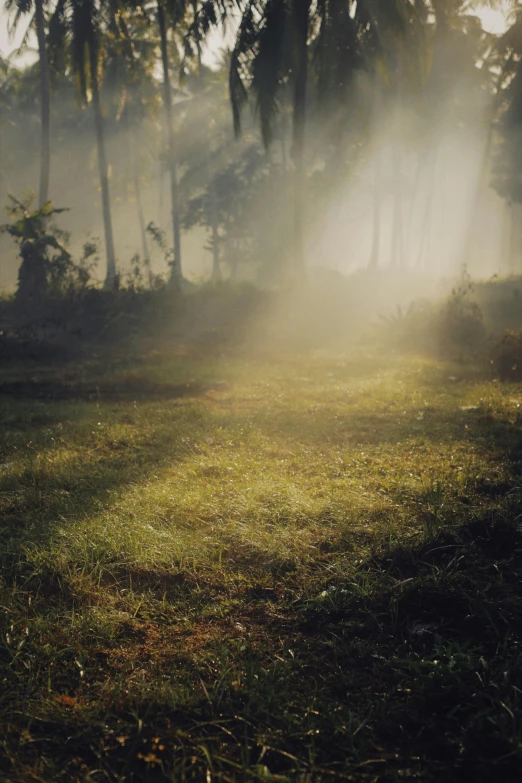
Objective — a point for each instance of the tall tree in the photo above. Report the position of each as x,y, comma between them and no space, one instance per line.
81,24
129,76
284,41
163,18
507,137
460,96
22,8
271,50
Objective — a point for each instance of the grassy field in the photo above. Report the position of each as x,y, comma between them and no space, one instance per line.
305,569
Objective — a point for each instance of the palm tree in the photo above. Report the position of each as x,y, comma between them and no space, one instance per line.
459,42
274,49
196,33
174,13
395,53
132,146
129,75
377,192
81,23
4,107
22,8
269,52
301,22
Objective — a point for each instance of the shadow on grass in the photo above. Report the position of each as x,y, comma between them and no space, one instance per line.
435,649
412,667
390,426
45,488
408,665
106,392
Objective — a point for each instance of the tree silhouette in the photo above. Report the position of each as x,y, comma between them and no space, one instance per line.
19,9
80,24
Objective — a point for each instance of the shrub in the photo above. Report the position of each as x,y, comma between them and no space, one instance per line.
506,357
47,268
453,330
459,327
411,328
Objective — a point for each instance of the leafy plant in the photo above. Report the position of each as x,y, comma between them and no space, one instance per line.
47,267
159,238
409,328
506,357
460,326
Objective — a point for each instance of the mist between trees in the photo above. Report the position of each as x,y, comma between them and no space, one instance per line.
389,137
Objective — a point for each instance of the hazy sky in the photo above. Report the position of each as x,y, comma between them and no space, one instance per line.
494,21
7,43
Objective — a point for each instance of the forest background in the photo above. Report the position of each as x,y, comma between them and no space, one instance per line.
407,184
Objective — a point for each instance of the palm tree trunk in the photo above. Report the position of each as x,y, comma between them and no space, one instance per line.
425,233
506,238
301,20
480,189
160,189
176,275
284,161
424,247
198,38
516,239
377,192
131,141
141,220
413,195
110,279
216,269
397,233
45,98
512,223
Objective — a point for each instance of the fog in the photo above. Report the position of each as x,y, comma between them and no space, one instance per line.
449,216
402,185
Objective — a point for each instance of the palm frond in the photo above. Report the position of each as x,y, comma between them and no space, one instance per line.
269,66
337,51
243,51
20,8
82,24
57,34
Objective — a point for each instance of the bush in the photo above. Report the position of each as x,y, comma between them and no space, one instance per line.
459,327
453,331
47,268
411,329
506,357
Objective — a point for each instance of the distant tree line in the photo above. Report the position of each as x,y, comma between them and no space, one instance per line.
329,82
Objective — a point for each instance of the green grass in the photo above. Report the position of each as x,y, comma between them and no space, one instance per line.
298,569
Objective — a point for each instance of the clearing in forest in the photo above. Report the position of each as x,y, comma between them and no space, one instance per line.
303,568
